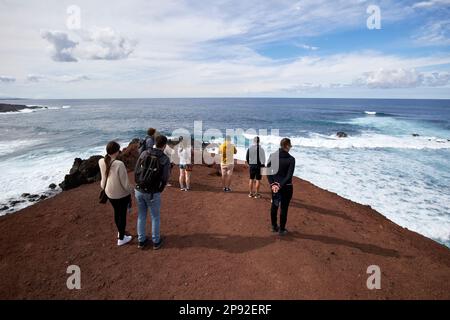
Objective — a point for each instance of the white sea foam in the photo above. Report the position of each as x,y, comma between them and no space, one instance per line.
19,111
371,113
363,141
382,180
402,194
34,172
41,107
11,146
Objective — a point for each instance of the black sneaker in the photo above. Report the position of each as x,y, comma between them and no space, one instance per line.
275,229
283,232
157,246
141,245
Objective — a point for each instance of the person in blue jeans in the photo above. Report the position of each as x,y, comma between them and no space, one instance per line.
150,198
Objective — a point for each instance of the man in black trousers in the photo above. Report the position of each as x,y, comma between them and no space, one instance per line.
281,184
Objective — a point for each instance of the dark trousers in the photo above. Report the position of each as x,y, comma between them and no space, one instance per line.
120,213
281,200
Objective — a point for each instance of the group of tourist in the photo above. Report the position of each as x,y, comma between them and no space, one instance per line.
153,169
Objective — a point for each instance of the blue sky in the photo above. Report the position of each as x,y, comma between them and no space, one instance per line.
245,48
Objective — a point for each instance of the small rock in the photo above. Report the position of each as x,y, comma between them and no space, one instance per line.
43,197
52,186
341,134
33,197
4,208
25,195
415,135
15,202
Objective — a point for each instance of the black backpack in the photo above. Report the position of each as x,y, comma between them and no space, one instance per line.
148,173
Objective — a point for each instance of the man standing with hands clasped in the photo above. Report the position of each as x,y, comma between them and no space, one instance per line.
281,184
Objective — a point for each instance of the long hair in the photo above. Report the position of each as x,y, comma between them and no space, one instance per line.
111,148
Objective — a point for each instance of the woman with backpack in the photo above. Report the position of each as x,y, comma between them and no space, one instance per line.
117,188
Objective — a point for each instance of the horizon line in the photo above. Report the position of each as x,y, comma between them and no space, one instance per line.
270,97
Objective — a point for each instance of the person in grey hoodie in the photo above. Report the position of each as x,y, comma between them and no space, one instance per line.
280,179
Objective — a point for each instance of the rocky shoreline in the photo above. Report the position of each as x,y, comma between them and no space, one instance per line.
83,171
6,107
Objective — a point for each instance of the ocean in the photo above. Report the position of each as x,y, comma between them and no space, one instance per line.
381,163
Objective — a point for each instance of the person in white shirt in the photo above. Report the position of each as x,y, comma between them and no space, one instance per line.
117,188
184,155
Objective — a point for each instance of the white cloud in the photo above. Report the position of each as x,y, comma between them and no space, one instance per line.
95,44
61,46
6,79
436,79
105,44
307,47
402,78
58,78
434,33
432,3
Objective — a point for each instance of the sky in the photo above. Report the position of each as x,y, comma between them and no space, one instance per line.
244,48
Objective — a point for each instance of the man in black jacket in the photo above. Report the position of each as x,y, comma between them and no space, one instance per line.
280,179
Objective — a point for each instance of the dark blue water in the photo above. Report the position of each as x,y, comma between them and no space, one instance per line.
404,177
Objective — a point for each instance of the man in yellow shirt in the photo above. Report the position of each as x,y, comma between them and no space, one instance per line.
227,150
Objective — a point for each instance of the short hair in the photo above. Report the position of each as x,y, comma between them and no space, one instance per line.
256,139
160,141
151,131
285,142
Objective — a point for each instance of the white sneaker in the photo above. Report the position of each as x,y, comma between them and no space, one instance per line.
125,240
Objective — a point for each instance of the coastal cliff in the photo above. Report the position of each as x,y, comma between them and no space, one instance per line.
218,246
